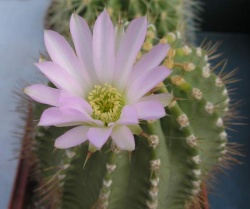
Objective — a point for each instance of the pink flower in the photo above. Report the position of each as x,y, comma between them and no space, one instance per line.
100,91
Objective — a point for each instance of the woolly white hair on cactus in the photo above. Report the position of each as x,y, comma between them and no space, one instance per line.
100,89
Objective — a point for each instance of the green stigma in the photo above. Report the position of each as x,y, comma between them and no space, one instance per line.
107,103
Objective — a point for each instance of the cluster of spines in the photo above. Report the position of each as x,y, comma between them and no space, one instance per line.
193,160
184,59
53,173
203,85
166,15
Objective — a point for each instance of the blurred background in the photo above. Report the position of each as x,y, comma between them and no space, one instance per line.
21,42
227,21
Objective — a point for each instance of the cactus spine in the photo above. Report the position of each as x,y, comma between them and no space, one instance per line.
167,16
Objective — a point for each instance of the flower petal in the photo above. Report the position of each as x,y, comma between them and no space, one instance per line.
98,136
104,48
123,138
43,94
61,117
135,129
150,60
129,48
61,78
143,84
164,98
76,103
73,137
62,54
119,33
128,116
150,110
82,38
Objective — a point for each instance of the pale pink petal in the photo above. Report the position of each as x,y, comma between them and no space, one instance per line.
71,138
150,110
98,136
128,116
143,84
62,54
123,138
129,48
61,78
62,117
76,103
150,60
104,48
119,33
163,98
82,38
43,94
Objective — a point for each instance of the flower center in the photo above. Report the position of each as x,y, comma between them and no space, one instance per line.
107,103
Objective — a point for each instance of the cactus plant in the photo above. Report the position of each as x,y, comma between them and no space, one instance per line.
173,156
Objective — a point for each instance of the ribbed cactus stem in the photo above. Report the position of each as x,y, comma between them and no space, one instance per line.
159,166
186,171
102,202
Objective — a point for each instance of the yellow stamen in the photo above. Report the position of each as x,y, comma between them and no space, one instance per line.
107,103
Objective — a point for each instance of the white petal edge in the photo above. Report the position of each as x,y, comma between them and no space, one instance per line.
72,138
43,94
123,138
104,48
